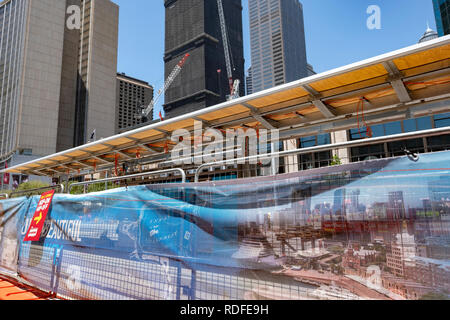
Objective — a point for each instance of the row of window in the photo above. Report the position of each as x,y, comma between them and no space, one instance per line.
393,149
382,150
405,126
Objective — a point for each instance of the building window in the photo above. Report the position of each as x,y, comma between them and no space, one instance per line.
316,159
26,152
394,149
442,120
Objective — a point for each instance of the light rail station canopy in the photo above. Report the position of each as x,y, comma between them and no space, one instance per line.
384,88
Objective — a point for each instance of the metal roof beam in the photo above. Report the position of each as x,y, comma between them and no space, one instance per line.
267,123
73,160
81,164
125,155
167,134
396,80
37,173
53,170
143,145
53,165
286,110
118,151
66,167
205,123
98,158
400,90
326,110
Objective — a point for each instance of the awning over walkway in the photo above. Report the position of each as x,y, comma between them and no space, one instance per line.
398,79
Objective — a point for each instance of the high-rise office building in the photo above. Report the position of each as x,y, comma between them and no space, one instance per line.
13,17
132,95
53,72
192,26
278,49
429,34
249,81
277,36
442,13
310,70
97,70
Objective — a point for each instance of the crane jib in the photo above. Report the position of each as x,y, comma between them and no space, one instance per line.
166,85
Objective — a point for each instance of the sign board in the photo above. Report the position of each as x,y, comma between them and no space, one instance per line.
37,223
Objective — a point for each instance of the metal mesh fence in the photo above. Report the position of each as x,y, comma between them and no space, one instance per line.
372,230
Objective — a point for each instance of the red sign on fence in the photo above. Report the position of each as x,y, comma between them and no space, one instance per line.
37,223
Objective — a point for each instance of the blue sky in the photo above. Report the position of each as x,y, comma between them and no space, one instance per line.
336,33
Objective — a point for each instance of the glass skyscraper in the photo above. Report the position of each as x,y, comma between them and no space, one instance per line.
278,49
442,13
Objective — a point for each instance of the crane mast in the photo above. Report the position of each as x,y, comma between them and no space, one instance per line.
234,85
175,72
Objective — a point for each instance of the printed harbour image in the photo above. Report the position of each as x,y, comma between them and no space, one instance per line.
377,230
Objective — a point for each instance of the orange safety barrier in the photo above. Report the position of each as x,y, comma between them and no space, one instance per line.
10,290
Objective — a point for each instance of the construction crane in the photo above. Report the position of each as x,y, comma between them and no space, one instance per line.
234,85
175,72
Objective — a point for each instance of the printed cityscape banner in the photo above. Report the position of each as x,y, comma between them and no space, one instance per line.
376,230
12,213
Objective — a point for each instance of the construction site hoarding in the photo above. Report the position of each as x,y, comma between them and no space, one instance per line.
373,230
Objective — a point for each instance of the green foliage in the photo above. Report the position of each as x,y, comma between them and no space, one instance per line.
29,186
96,187
8,192
435,296
421,213
336,249
336,161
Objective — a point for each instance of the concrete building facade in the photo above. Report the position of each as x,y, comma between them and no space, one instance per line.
13,26
192,26
97,69
44,62
132,95
33,123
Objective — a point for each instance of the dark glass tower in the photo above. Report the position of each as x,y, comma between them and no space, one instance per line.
192,26
442,13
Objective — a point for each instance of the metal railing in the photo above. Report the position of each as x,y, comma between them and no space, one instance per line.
31,191
132,176
328,147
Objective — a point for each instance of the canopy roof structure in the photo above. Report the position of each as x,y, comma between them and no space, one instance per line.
386,88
